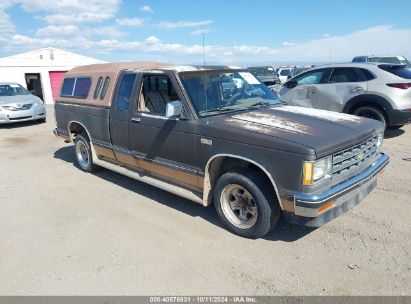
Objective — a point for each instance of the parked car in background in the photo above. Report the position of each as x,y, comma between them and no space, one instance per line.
18,104
372,90
189,131
298,70
265,74
383,59
284,74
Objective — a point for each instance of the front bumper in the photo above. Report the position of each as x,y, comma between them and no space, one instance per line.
35,113
318,209
399,117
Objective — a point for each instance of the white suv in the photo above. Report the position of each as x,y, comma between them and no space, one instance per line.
374,90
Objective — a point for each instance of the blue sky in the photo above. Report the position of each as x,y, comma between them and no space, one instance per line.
241,31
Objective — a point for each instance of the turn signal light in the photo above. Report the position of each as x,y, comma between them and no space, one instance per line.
326,206
308,173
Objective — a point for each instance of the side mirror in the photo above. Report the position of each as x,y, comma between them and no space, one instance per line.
291,84
174,109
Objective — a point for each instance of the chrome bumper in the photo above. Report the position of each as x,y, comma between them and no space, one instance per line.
318,209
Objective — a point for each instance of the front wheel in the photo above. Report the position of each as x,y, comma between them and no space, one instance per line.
246,204
84,157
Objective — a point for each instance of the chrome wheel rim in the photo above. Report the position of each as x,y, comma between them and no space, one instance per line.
239,206
82,154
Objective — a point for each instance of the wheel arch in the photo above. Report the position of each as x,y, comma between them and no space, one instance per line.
75,125
367,100
213,170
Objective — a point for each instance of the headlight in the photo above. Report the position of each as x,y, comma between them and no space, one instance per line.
36,104
317,170
380,138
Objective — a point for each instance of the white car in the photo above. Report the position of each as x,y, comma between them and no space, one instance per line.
374,90
18,104
284,74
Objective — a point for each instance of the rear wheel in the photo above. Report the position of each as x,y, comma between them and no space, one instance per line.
372,113
246,204
84,157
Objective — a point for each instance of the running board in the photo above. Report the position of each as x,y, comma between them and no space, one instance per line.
190,195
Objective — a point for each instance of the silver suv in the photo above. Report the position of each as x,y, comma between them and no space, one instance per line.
373,90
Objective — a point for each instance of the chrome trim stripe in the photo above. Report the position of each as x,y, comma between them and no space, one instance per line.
317,200
190,195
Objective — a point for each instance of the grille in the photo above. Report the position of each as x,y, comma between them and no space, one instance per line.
349,160
20,108
18,118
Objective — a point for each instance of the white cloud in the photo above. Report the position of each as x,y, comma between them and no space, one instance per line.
146,9
374,40
105,31
183,24
199,32
53,30
72,11
6,25
131,21
152,40
287,43
77,18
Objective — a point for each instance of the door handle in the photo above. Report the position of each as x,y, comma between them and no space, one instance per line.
136,119
357,89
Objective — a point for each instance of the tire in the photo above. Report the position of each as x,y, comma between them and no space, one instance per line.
84,157
260,211
43,120
394,127
372,113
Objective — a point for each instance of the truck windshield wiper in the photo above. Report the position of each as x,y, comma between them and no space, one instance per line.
218,110
261,103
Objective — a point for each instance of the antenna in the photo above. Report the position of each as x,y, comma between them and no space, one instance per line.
204,64
205,75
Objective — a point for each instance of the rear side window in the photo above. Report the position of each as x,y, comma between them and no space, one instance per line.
67,88
124,92
76,87
398,71
340,75
98,87
104,89
367,74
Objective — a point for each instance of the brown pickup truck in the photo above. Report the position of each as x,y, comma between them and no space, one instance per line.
216,135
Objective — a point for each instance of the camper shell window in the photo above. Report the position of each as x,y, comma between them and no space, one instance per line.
78,87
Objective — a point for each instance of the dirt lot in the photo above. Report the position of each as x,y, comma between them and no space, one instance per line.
65,232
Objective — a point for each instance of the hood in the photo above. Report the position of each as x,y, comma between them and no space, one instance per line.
22,99
323,131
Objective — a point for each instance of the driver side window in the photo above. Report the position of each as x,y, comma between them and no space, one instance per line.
156,92
312,77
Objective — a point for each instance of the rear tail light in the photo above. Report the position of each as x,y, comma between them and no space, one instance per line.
402,86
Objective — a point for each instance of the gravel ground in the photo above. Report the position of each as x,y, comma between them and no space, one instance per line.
65,232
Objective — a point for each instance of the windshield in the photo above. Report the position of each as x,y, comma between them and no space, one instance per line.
215,92
285,72
12,90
